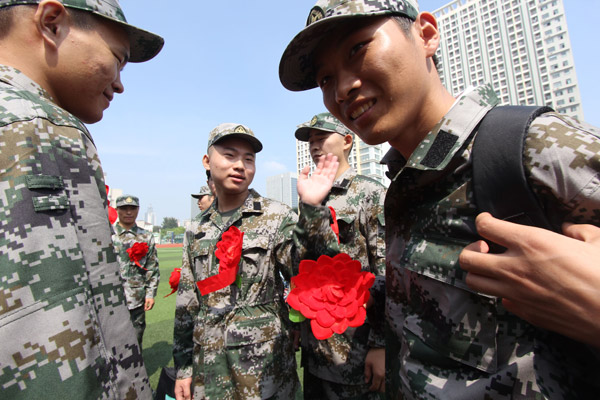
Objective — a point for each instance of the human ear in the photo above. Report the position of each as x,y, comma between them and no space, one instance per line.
206,162
426,25
348,140
52,22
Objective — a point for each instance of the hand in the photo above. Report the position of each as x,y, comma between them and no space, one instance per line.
548,279
148,304
375,370
182,389
313,190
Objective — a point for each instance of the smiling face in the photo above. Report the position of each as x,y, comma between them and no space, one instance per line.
231,163
376,79
88,70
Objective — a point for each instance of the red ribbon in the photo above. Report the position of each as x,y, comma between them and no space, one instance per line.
334,224
229,253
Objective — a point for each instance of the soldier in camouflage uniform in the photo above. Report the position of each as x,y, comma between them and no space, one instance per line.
446,340
337,367
64,325
140,281
235,342
204,197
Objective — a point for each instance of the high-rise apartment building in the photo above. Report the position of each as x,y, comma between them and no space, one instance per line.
363,158
282,187
521,47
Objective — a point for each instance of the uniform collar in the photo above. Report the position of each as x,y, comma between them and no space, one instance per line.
441,144
345,179
120,230
252,205
19,80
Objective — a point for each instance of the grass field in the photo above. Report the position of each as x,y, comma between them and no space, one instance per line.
158,336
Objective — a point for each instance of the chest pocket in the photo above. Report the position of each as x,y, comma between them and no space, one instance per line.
347,226
464,332
254,253
50,191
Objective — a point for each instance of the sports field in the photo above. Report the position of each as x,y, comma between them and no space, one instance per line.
158,336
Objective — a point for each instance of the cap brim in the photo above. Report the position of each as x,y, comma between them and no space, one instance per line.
143,45
254,142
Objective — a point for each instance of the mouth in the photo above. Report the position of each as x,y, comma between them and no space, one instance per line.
360,110
238,178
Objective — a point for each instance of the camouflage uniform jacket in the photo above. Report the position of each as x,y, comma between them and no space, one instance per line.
448,340
236,341
358,204
139,284
64,326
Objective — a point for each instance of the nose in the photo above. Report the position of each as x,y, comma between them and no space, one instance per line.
347,82
239,164
117,84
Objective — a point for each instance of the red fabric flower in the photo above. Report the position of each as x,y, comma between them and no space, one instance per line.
229,253
174,280
137,252
112,212
331,292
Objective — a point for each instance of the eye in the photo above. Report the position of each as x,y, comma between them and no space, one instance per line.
356,48
322,82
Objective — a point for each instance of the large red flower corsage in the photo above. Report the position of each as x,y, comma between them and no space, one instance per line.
229,253
112,212
331,292
174,280
137,252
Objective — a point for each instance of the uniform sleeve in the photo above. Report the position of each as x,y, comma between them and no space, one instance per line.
375,230
153,274
186,309
562,160
313,235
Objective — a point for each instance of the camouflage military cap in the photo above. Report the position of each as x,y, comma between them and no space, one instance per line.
322,122
204,191
144,45
127,200
229,129
296,69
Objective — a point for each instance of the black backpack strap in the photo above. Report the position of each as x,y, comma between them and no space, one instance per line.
499,183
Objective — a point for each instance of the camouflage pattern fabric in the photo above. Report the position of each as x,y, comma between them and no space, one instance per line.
445,340
139,284
64,325
144,45
236,341
358,204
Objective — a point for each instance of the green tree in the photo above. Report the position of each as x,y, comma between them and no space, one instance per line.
169,223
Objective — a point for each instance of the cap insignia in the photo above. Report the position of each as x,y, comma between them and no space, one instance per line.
315,14
129,200
313,121
240,129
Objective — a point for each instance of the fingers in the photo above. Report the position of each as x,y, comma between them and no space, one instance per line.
504,233
583,232
304,173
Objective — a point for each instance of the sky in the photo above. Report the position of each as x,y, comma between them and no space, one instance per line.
220,64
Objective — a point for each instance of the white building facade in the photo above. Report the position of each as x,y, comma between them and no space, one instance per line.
282,187
521,47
